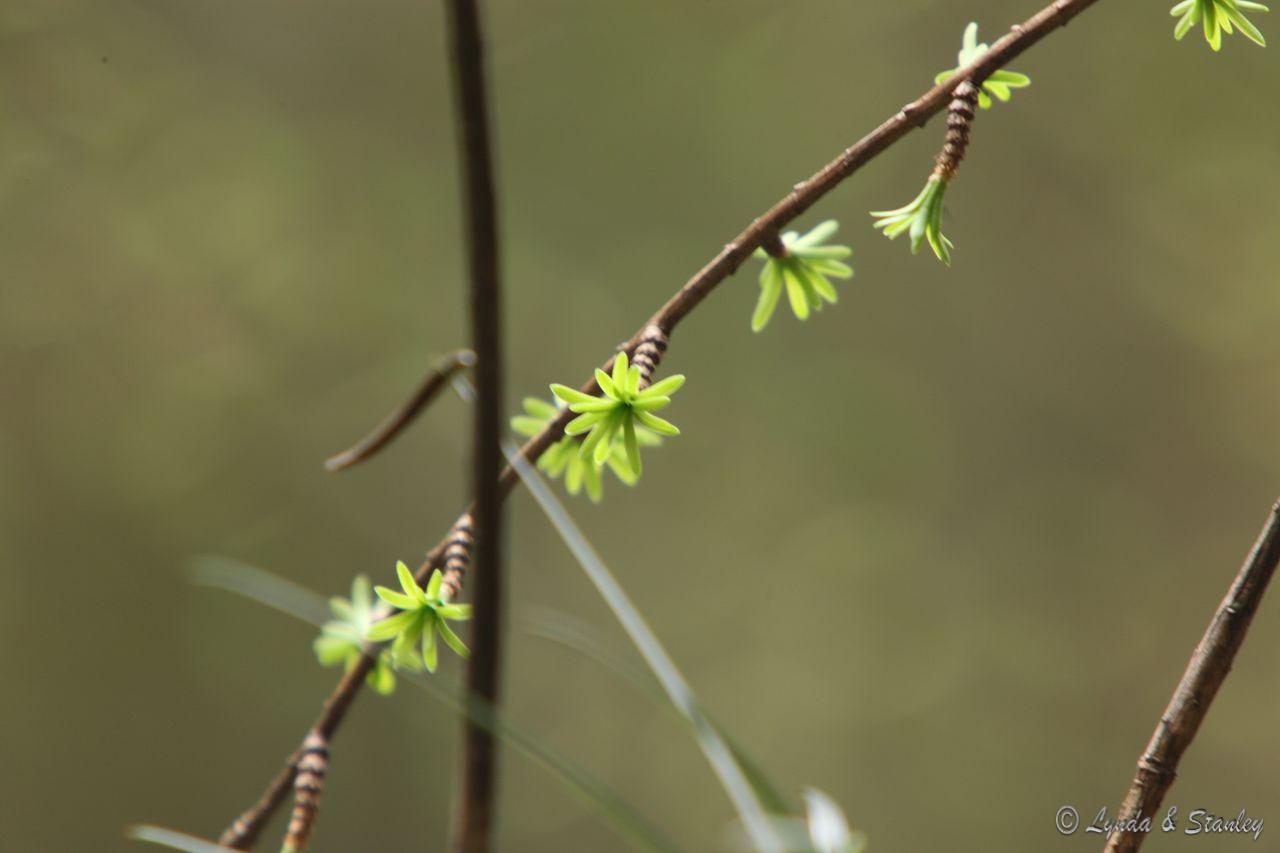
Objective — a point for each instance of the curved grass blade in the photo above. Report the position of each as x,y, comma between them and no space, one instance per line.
261,586
566,630
713,745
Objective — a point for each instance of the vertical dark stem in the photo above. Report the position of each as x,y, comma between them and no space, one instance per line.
475,817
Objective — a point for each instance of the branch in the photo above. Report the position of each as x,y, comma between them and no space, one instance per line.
393,424
243,832
475,817
807,193
1208,667
803,196
245,829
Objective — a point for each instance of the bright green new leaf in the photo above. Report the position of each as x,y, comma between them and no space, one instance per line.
1217,17
341,641
922,219
805,271
423,615
609,421
998,83
563,456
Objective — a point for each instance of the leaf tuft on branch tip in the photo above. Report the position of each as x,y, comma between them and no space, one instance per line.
341,641
922,219
615,419
423,618
805,270
563,457
1217,17
999,83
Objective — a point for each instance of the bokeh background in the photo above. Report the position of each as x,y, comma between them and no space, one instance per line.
941,551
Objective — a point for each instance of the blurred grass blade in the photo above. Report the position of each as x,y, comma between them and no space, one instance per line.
572,633
774,801
261,586
275,592
717,751
567,630
172,839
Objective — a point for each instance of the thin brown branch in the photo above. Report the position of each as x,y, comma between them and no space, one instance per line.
802,197
243,832
807,193
393,424
1208,667
477,806
245,829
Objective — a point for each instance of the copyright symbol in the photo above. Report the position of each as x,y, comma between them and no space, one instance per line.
1067,820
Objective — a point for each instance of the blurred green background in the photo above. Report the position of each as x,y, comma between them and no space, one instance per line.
941,551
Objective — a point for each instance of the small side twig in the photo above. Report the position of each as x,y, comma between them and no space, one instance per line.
1209,665
393,424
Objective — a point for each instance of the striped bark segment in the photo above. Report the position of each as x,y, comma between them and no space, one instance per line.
960,114
313,763
457,555
648,353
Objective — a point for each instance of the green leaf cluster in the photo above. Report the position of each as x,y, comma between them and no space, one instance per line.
999,83
805,270
616,416
563,456
922,218
423,615
342,640
1217,17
